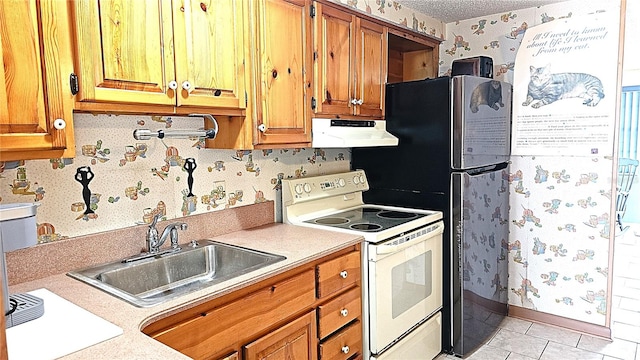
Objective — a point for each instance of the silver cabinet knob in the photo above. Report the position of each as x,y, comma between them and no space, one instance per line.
173,85
344,312
359,102
59,124
262,127
354,102
343,274
187,86
345,349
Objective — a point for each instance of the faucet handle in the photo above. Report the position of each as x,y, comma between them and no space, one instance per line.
173,234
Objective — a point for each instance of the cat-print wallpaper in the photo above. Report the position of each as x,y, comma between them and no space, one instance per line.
559,235
116,181
394,12
499,35
559,205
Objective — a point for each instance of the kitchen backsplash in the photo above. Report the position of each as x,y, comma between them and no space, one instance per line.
116,181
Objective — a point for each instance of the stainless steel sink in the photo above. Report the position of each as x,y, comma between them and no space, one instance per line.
153,280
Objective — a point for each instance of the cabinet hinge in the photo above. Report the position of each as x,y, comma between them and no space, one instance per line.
73,83
312,12
313,103
246,99
315,55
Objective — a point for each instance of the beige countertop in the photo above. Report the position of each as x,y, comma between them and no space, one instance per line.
298,244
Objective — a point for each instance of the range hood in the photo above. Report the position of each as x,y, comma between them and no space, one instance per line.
338,133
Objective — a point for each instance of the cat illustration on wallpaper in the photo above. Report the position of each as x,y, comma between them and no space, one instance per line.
546,87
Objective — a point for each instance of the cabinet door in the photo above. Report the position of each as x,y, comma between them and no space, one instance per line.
208,41
371,68
125,51
283,70
334,44
34,52
294,341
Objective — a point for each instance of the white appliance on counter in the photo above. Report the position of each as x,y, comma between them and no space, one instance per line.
401,265
18,230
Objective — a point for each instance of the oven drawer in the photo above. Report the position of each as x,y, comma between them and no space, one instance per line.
425,340
337,274
344,345
339,312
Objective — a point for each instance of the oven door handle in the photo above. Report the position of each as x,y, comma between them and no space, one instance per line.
436,230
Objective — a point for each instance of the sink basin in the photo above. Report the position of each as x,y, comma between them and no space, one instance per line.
153,280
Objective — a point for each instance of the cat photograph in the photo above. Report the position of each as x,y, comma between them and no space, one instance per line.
545,87
487,93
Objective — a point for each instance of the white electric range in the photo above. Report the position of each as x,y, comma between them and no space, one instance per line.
401,265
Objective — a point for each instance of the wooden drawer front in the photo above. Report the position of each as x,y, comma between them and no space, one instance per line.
338,274
233,356
214,331
344,344
339,312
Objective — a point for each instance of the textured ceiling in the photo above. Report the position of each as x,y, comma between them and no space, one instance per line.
454,10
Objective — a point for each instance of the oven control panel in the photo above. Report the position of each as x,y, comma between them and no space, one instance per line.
324,186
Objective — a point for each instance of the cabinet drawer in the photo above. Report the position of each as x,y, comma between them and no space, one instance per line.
213,331
339,312
337,274
344,344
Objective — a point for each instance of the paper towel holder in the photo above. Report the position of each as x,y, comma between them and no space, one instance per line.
146,134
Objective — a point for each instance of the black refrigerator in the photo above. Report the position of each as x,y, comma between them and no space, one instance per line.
452,156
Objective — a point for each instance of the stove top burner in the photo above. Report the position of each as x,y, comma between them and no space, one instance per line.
331,221
368,218
366,227
396,215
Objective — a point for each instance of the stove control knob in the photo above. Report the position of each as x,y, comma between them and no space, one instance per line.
298,189
307,188
356,180
341,182
362,179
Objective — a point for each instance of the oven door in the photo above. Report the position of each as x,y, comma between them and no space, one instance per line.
405,283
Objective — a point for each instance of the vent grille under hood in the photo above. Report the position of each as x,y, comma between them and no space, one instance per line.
333,133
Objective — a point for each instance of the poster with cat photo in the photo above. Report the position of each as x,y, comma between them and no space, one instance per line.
565,87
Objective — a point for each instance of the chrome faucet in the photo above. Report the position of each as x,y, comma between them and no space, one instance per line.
154,241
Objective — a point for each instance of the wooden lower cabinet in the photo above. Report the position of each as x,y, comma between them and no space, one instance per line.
283,317
294,341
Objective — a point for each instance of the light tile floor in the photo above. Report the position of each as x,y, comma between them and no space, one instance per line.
523,340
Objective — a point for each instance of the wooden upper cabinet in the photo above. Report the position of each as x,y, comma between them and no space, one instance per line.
161,52
208,41
125,51
351,64
35,64
371,69
283,71
335,41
